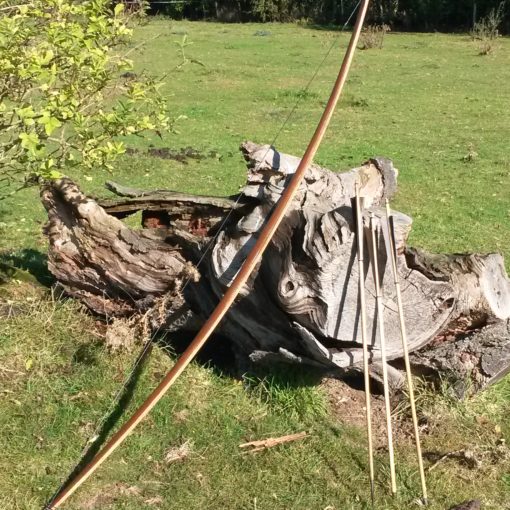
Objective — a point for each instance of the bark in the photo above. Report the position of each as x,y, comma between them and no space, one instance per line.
301,304
114,270
472,360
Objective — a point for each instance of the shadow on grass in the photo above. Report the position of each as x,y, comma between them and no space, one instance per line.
217,354
110,420
32,262
226,360
327,27
210,356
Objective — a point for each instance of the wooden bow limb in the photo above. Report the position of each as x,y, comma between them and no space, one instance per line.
393,256
237,284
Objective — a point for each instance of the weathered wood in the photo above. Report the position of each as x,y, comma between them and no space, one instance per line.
472,360
480,281
302,303
114,270
309,269
198,214
473,504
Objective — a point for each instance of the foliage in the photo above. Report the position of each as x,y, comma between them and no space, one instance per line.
277,10
185,59
62,101
139,7
402,14
384,11
259,10
268,10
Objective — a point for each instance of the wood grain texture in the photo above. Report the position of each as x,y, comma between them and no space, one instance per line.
96,258
310,268
301,305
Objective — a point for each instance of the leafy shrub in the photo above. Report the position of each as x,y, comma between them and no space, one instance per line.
284,10
67,90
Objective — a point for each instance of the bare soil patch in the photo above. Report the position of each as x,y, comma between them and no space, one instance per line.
348,406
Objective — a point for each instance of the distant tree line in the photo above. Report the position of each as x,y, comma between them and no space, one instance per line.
419,15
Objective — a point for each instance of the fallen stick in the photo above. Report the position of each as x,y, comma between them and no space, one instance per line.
263,444
455,454
471,458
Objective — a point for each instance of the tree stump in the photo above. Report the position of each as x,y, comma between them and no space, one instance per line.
301,305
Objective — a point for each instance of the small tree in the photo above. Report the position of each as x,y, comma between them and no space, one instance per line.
66,95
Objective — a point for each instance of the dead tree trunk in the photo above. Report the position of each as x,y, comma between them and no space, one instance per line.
302,303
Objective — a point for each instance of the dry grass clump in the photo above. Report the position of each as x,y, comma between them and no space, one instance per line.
373,36
486,30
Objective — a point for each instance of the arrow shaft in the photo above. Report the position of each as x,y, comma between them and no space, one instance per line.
384,363
405,349
364,339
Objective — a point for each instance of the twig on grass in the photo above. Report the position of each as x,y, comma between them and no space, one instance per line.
257,446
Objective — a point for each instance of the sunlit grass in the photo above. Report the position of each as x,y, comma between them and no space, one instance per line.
429,102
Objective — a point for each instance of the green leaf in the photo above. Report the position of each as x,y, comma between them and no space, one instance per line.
50,123
32,144
54,175
25,113
29,141
63,60
47,57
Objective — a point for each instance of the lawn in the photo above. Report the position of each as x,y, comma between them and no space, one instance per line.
427,101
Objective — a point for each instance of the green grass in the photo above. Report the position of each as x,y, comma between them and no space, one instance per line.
424,100
290,393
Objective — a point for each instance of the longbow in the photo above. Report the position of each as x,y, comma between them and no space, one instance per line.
237,284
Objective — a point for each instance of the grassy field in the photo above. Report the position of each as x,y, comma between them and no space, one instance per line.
427,101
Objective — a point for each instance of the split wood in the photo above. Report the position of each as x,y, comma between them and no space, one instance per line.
263,444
